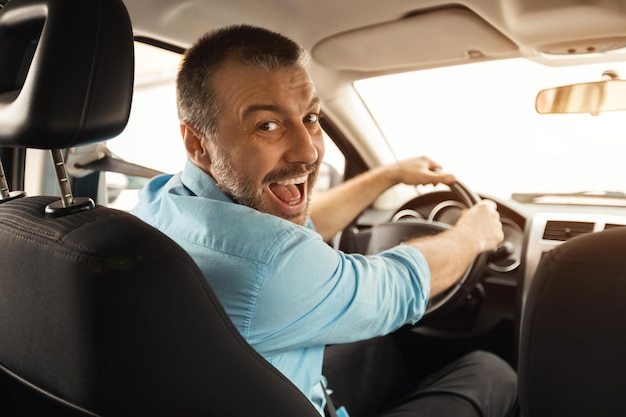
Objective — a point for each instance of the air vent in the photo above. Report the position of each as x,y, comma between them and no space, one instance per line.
612,226
563,230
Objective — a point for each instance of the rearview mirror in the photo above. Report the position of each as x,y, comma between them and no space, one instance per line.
593,98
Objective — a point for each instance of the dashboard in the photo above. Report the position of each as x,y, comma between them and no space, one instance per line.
530,229
490,316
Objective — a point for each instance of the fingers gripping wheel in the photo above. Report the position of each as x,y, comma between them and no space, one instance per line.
387,235
450,298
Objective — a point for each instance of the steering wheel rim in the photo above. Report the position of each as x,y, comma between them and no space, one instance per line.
450,298
390,234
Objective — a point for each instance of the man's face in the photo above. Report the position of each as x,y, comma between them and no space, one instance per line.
269,141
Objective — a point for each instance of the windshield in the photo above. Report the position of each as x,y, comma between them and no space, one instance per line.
479,122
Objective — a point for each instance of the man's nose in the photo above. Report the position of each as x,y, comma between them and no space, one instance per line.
302,147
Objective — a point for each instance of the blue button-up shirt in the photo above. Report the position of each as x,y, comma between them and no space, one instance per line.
285,289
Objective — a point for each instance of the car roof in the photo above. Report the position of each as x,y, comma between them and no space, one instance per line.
355,39
361,38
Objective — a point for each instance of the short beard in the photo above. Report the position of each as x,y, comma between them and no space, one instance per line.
245,191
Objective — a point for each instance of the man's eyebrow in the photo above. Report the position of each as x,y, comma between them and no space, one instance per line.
259,107
316,101
253,108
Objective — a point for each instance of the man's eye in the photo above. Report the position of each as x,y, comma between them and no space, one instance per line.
268,126
312,118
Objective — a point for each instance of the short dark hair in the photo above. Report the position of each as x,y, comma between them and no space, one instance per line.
195,96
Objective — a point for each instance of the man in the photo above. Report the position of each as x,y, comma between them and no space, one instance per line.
242,208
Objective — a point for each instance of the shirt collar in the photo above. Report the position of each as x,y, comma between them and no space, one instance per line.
202,184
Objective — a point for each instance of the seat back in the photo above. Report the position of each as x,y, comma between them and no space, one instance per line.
572,359
101,314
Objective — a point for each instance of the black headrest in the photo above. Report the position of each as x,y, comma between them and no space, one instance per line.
66,72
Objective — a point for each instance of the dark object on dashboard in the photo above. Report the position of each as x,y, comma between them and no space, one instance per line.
502,251
572,358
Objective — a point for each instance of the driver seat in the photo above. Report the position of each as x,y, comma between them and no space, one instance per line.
101,314
572,358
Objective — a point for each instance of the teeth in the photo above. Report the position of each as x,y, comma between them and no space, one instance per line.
299,180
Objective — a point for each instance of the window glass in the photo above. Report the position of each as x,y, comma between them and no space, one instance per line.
152,136
479,121
333,167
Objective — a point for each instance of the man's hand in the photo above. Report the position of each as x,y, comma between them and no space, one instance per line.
450,253
334,209
481,223
417,171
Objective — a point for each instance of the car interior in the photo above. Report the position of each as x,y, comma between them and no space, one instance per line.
102,315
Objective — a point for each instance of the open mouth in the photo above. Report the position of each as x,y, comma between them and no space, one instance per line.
290,192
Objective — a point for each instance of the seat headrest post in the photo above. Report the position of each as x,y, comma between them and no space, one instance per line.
4,185
68,204
5,193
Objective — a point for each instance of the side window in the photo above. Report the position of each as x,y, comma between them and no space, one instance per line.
333,166
152,136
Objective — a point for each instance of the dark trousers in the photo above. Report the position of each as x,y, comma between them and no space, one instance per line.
390,376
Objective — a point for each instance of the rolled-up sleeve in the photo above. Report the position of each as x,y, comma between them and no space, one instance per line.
315,295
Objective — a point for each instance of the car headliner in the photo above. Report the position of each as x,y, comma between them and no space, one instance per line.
355,39
372,36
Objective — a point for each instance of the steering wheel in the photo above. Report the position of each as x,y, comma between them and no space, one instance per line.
387,235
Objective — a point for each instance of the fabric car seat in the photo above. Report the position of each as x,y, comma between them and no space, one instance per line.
572,357
101,314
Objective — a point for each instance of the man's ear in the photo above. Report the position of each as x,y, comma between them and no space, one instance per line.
195,146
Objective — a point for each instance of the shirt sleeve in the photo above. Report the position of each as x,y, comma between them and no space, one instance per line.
315,295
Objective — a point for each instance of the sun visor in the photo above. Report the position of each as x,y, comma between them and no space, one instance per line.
66,72
385,47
